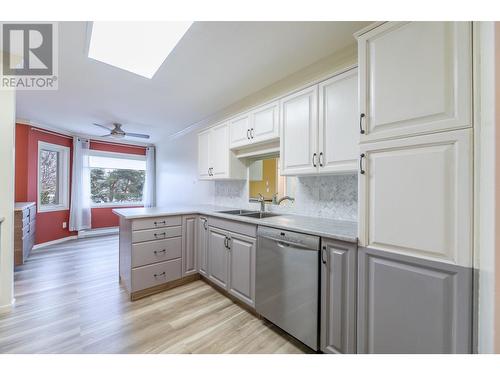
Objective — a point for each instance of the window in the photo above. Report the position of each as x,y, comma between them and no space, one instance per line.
53,177
116,179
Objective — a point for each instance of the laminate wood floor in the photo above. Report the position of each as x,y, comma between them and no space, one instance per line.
68,300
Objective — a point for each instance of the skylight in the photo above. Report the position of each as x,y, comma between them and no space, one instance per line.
138,47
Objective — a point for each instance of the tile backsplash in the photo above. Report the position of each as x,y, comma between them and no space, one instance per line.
333,197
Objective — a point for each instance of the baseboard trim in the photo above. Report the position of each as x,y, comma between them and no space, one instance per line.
54,242
5,308
98,232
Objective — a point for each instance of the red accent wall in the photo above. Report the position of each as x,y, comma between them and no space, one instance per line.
49,225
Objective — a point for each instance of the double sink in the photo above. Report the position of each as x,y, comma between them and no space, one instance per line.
249,213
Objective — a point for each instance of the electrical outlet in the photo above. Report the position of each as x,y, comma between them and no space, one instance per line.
65,224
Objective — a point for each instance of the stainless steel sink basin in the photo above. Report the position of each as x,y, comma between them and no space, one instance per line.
237,212
260,215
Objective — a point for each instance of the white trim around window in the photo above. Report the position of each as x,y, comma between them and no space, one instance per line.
63,173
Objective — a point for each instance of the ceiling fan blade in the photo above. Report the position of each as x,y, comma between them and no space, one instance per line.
137,135
102,126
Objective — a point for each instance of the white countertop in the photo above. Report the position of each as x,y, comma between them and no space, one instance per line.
19,206
336,229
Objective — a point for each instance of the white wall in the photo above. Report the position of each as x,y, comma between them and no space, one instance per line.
7,126
176,173
177,157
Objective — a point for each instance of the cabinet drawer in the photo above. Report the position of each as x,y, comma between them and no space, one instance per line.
234,226
156,222
156,234
155,274
32,211
156,251
32,227
25,213
26,231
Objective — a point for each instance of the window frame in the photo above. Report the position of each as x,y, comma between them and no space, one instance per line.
119,155
63,173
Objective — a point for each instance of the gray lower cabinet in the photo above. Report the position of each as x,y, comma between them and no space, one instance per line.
202,245
217,257
242,267
231,262
189,229
412,305
338,296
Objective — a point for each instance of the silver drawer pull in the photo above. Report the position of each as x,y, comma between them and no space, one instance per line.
160,222
160,234
163,274
161,251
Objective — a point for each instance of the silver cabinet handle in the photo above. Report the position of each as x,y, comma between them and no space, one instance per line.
205,226
323,258
163,274
361,170
248,133
361,117
321,159
228,243
252,133
225,242
156,252
314,160
160,222
160,234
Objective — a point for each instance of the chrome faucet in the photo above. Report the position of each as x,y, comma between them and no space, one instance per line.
262,202
285,198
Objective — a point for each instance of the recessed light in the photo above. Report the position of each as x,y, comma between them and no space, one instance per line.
138,47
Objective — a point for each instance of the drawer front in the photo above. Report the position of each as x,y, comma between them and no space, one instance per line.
32,227
156,222
32,211
26,213
156,234
156,274
25,221
156,251
26,231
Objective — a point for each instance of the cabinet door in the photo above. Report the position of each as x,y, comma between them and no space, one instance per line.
416,196
338,123
299,132
411,305
189,245
202,245
265,123
239,129
338,297
415,77
219,152
217,257
242,268
204,155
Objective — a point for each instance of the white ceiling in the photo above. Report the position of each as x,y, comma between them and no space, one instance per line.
214,65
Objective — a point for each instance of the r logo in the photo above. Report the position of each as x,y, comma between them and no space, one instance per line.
33,44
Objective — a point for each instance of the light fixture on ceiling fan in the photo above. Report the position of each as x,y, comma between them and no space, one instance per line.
118,132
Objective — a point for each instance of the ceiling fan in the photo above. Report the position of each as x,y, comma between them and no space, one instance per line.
118,132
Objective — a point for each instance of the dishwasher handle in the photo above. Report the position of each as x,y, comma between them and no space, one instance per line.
281,242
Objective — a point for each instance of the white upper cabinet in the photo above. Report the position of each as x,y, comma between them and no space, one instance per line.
321,136
260,125
415,196
415,78
240,131
299,132
215,159
338,116
204,154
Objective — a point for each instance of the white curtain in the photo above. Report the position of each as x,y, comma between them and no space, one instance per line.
80,213
149,183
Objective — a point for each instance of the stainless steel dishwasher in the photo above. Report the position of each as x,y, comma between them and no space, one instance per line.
287,282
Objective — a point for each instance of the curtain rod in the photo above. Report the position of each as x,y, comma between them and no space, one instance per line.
91,140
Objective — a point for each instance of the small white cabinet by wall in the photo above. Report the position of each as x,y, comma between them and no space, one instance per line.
260,125
414,78
415,196
215,159
319,131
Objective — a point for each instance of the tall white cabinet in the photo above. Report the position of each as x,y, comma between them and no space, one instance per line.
414,78
318,127
415,188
